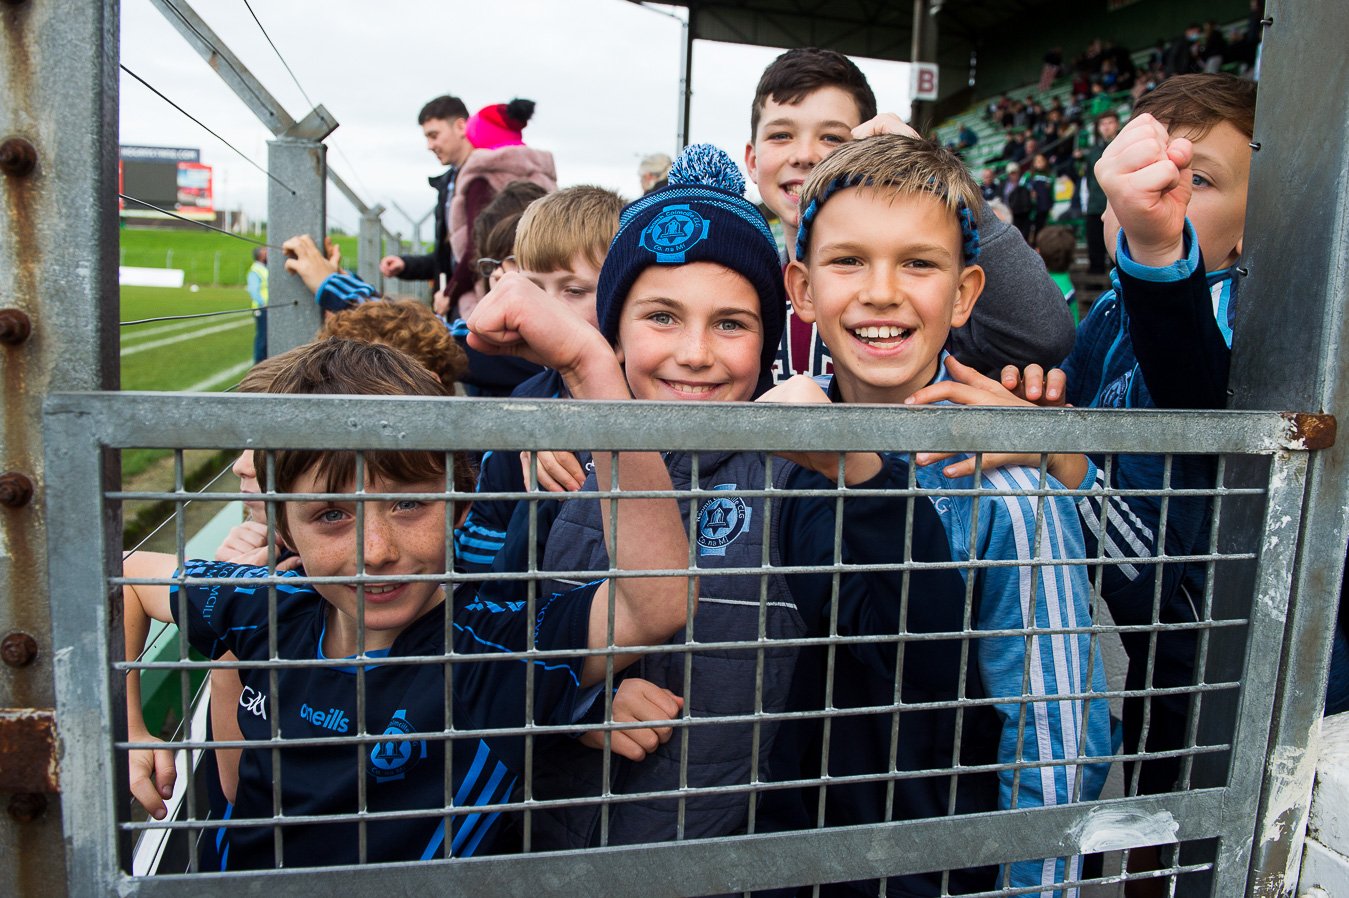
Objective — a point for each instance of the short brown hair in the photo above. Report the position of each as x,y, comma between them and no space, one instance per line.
1056,245
353,367
800,72
1196,103
575,221
261,375
407,326
893,162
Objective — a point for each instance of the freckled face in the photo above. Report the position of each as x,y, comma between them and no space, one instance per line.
400,537
691,333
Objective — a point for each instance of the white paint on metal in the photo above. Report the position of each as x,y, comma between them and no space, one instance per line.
1113,829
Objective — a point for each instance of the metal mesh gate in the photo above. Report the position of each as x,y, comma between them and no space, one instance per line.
1205,826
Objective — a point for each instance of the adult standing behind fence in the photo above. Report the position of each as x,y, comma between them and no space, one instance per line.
654,170
497,155
443,122
257,291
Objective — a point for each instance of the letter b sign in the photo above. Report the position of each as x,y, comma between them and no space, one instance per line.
924,80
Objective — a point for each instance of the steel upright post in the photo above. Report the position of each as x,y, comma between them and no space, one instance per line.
1289,352
58,327
298,159
367,247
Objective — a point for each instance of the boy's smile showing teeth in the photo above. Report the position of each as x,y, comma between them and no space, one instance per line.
883,284
884,335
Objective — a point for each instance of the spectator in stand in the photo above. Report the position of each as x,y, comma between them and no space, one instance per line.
1053,65
1032,147
1182,55
1109,75
1017,196
654,171
442,122
1212,47
1100,101
1056,245
967,137
1040,180
1107,126
498,156
1014,150
989,186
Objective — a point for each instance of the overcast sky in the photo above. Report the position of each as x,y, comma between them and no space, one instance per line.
605,75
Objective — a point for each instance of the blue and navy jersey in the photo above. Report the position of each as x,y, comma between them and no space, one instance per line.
490,375
1160,339
1035,593
400,700
343,291
478,540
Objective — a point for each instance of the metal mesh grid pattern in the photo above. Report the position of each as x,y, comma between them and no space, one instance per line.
1210,816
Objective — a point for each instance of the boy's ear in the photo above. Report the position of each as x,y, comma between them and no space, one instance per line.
798,290
751,162
967,293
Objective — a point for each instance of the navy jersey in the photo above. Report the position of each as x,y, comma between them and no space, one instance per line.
483,533
401,700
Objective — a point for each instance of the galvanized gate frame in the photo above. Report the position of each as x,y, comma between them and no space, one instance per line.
79,426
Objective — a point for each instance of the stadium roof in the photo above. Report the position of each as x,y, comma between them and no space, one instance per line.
881,29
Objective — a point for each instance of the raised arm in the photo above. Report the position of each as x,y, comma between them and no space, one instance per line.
518,318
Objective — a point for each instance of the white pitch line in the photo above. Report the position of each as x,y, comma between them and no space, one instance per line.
219,377
169,341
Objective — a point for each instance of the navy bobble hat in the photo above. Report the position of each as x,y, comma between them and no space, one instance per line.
702,216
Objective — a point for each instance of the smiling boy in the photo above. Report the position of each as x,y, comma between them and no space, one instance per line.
885,268
809,102
691,299
396,547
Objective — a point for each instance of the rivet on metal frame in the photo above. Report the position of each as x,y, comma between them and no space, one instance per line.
27,806
16,490
18,157
18,649
15,326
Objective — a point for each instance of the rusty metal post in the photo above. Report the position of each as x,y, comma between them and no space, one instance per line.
58,331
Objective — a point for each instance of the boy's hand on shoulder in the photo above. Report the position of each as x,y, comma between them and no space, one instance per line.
969,387
859,467
304,259
518,318
885,123
636,700
1145,174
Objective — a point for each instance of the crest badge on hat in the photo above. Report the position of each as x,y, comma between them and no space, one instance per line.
673,232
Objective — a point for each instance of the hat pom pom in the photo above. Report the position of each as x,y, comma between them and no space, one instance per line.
709,166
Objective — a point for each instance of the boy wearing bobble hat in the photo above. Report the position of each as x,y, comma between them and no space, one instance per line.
691,298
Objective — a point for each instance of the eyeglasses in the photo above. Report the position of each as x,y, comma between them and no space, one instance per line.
487,266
